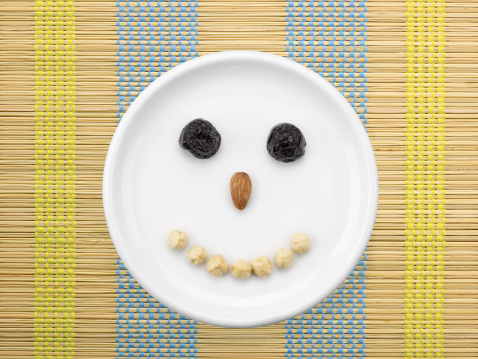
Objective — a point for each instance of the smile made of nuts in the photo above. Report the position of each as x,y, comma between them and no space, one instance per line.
261,266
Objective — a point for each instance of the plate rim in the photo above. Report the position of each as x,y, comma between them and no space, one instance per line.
121,131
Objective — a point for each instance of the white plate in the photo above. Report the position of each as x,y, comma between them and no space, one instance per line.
152,186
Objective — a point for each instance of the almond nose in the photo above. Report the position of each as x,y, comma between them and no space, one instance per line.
241,187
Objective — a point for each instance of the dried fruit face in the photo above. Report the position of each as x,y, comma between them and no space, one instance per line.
200,138
286,143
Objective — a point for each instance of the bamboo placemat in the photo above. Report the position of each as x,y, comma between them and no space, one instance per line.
69,69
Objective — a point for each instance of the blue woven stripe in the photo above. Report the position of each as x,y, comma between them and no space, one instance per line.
329,37
152,38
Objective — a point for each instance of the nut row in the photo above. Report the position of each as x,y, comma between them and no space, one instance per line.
261,266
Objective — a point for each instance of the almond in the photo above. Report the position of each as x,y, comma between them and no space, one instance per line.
241,187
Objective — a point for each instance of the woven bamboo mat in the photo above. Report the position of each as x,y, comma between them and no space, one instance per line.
69,69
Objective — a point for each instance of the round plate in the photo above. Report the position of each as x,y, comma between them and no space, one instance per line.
152,186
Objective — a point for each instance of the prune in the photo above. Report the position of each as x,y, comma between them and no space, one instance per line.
200,138
286,143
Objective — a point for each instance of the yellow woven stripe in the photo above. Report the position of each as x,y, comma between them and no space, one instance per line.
54,178
425,191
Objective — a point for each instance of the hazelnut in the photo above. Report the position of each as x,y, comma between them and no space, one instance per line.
300,242
197,255
177,239
241,269
217,265
262,266
284,257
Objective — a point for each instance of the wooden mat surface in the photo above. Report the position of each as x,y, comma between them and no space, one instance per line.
61,84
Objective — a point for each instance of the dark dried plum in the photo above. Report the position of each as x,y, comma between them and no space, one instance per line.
286,143
200,138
